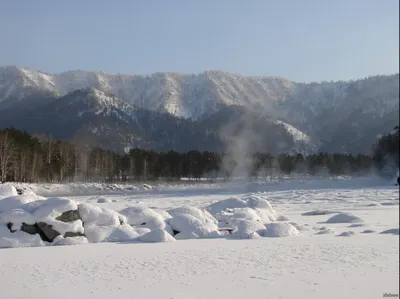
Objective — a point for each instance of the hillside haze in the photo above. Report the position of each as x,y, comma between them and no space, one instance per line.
189,111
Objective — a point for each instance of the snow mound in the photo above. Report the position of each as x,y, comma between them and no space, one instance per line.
318,213
202,215
19,239
189,224
245,234
282,217
164,214
389,203
157,235
325,231
141,230
17,217
80,240
93,215
254,201
243,225
281,229
16,202
253,207
346,234
374,204
393,231
52,207
147,187
7,190
226,205
344,218
123,233
260,215
103,200
368,231
300,227
96,233
357,225
140,215
43,218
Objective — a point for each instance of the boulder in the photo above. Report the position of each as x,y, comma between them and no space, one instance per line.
46,232
29,229
69,216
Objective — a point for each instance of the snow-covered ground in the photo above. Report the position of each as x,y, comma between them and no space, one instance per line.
292,239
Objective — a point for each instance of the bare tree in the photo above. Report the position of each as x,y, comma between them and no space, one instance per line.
66,159
6,155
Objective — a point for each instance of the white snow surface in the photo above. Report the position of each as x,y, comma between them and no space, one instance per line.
7,190
260,258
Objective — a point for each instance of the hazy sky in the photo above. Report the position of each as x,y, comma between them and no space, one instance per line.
303,40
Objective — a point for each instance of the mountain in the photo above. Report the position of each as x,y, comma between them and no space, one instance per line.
104,120
329,116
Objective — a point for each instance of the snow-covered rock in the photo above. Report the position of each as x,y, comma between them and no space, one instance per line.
157,235
344,218
393,231
226,204
247,225
140,215
141,230
7,190
157,223
123,233
200,214
189,224
281,229
94,215
346,234
16,202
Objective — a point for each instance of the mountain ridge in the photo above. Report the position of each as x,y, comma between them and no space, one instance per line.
339,115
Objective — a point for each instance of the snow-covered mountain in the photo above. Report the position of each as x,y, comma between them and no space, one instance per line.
335,116
182,95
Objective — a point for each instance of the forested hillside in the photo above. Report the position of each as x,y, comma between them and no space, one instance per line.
27,158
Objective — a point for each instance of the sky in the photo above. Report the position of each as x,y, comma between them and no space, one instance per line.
302,40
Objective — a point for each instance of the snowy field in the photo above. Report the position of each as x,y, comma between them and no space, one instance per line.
291,239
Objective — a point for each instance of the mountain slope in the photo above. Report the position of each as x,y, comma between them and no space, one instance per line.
337,116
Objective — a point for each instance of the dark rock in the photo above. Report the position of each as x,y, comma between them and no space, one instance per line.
175,232
69,216
71,235
46,232
9,226
29,228
229,230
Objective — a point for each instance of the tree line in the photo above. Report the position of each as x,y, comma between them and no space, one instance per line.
386,154
28,158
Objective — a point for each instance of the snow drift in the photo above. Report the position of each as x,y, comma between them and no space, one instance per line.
344,218
31,220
